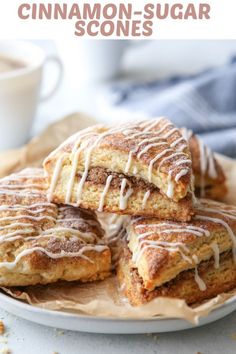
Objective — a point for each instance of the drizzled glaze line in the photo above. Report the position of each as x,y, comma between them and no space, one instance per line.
104,193
124,197
131,130
55,177
63,254
145,199
225,225
179,247
216,251
199,281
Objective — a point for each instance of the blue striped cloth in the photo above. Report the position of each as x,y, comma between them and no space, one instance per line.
205,103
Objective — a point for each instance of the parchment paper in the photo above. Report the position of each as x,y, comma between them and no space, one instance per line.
103,299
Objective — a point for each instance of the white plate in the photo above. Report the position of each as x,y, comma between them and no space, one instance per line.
106,325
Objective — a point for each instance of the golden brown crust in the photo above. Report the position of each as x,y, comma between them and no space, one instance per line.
162,250
41,242
183,286
209,177
154,151
93,196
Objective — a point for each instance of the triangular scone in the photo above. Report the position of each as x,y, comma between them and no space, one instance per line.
184,286
162,250
209,177
136,168
41,242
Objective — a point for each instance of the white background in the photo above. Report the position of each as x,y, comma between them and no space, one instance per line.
220,26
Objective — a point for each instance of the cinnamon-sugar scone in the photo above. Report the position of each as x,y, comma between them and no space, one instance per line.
209,177
162,250
184,286
117,169
106,191
41,242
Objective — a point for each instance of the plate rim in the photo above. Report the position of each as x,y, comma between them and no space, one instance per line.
26,306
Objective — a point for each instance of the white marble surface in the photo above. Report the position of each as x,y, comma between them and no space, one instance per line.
154,60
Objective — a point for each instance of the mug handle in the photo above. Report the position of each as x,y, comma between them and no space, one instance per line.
53,59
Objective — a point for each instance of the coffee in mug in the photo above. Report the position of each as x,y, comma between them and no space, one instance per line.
8,64
21,72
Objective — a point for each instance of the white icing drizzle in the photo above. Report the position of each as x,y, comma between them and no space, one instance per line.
161,130
138,135
145,199
169,228
195,230
55,177
148,147
22,193
27,217
177,141
14,225
10,236
203,167
80,137
216,251
181,174
124,198
72,176
82,236
88,158
75,160
211,164
207,165
17,223
187,133
128,164
221,212
21,186
135,170
169,158
225,225
103,195
84,175
15,208
20,176
169,133
63,254
199,281
150,244
130,131
181,162
155,159
152,124
170,186
150,140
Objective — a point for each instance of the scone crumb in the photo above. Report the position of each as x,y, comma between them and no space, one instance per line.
2,327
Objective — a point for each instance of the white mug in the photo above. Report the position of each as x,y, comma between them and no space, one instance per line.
20,91
91,60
